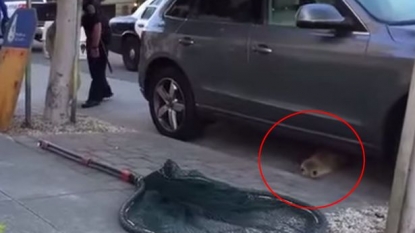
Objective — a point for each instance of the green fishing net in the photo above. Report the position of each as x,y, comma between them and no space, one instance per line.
172,200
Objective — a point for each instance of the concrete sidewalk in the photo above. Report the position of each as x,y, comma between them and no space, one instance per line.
41,193
147,150
144,153
127,97
226,153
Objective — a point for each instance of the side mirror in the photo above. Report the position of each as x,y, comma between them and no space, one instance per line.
320,16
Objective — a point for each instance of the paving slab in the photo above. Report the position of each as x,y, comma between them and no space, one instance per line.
88,212
43,193
144,153
43,177
18,219
4,197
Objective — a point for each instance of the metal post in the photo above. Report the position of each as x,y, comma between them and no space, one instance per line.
28,85
401,215
75,69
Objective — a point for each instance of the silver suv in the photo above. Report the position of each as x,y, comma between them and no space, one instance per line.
260,60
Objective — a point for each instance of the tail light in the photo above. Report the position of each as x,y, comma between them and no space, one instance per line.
21,6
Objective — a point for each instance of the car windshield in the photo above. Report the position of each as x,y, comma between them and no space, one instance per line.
391,11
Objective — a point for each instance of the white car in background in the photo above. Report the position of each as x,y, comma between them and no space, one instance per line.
126,32
13,5
149,13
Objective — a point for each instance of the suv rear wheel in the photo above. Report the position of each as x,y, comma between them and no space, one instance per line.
172,104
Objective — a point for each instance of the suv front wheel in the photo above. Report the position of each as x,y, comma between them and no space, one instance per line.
172,104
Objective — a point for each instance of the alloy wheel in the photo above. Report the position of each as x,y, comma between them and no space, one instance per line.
169,106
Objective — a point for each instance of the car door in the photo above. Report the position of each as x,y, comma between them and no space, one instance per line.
296,69
213,50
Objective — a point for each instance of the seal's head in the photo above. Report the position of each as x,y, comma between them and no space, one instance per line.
310,168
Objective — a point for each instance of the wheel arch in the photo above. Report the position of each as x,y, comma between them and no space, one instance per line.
156,64
127,34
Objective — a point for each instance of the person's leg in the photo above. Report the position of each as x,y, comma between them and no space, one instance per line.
101,74
106,87
107,90
95,90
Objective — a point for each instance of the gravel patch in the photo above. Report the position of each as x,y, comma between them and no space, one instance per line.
84,125
371,219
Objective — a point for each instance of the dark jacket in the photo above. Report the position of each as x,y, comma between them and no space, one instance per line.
93,15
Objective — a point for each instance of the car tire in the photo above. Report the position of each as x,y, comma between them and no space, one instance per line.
131,53
175,115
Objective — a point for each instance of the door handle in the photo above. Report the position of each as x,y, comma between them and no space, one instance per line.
186,41
262,49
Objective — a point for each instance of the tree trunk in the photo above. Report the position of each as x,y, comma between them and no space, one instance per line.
57,102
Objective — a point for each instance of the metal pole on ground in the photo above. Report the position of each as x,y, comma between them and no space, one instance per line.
28,85
401,215
124,174
75,69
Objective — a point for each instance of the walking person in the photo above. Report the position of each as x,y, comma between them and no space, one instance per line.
98,36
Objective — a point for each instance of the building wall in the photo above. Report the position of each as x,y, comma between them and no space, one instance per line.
119,7
111,8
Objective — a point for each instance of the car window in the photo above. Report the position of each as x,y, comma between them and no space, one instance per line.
156,2
282,12
139,11
240,11
391,11
148,12
179,9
